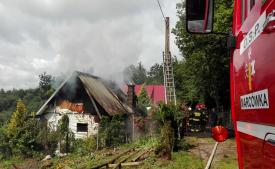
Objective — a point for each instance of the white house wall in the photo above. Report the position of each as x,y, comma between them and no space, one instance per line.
74,117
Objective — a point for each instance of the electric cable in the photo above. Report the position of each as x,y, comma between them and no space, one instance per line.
161,10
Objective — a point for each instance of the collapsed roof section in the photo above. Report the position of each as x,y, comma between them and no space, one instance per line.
97,91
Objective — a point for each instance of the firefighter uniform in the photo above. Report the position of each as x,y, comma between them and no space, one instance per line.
204,120
195,121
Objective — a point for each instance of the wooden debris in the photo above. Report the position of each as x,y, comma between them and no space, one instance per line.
141,153
126,164
67,167
105,163
15,167
122,160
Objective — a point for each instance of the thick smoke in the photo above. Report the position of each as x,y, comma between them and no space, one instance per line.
61,36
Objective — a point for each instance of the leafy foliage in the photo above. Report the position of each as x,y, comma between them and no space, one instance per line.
170,120
85,146
143,97
33,98
167,141
112,130
21,131
155,74
135,74
65,136
203,74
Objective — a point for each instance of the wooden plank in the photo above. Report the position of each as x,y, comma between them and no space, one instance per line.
126,164
14,166
123,160
139,155
105,163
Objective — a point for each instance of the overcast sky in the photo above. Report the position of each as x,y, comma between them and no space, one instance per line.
59,36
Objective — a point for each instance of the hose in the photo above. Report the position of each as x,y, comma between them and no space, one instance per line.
211,156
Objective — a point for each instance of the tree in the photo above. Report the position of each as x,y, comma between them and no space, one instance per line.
45,80
22,131
45,85
143,97
155,74
204,71
18,119
135,74
143,101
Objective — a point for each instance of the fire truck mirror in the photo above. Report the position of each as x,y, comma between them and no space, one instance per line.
199,16
219,133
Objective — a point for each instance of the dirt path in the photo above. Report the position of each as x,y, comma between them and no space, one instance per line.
203,144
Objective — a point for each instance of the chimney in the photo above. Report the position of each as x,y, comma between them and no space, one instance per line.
131,96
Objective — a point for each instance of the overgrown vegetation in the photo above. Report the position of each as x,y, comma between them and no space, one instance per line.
20,133
32,98
203,74
112,131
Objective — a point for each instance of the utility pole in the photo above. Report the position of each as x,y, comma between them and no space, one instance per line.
170,93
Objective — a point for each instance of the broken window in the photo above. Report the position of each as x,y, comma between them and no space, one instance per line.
82,127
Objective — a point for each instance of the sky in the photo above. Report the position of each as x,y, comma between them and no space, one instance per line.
101,37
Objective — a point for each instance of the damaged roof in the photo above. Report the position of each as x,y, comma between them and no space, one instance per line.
96,90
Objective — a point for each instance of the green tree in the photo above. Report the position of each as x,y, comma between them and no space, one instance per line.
22,131
18,119
155,74
204,71
45,80
143,97
45,85
135,74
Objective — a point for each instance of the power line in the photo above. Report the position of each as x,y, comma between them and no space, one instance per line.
161,10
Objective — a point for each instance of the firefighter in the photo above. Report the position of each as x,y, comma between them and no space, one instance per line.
195,119
204,118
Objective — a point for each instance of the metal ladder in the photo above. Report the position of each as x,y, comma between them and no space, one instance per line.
170,93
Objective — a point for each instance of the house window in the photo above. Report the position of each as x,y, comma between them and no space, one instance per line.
82,127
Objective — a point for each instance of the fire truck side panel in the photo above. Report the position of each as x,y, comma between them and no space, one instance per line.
253,90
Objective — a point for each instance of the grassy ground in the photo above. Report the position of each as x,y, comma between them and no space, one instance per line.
225,156
194,158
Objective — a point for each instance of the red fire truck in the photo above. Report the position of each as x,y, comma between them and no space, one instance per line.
252,75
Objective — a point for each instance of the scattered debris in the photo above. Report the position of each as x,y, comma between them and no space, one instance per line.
48,157
58,154
46,164
126,158
14,166
126,164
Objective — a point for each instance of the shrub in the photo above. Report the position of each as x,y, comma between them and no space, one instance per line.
85,146
22,131
65,136
112,131
165,147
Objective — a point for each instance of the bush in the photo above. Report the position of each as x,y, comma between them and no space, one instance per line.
21,131
66,137
112,131
167,141
5,150
85,146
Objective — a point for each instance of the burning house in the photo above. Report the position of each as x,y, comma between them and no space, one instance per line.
84,99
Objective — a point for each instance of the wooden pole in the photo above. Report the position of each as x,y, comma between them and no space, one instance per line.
167,36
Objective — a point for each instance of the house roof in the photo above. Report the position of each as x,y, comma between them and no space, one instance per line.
95,88
155,92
